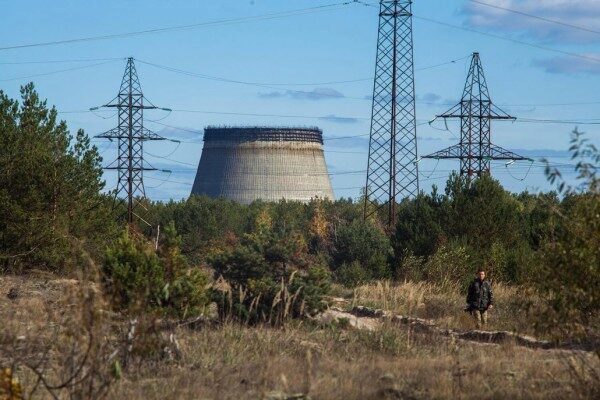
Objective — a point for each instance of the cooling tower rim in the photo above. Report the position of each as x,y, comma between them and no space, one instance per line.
263,133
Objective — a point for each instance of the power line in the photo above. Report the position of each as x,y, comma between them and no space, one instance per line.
281,14
172,160
273,86
553,21
537,46
62,61
57,72
536,163
558,121
276,86
576,121
443,64
510,39
261,85
325,138
581,103
245,189
266,84
324,117
584,103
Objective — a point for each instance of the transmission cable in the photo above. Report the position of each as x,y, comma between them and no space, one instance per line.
62,61
324,117
275,86
553,21
514,177
510,39
281,14
537,46
170,159
57,72
593,121
173,151
447,129
160,184
266,84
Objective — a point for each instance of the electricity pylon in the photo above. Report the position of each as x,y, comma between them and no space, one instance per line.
476,111
130,135
392,172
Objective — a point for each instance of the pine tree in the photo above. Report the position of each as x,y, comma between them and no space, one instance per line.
51,203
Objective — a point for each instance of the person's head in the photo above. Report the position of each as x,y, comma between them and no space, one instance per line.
481,274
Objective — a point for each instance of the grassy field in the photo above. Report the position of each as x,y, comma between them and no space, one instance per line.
515,308
302,359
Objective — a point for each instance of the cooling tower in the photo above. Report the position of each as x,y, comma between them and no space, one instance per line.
247,164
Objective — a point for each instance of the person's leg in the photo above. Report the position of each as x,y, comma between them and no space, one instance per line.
477,316
484,317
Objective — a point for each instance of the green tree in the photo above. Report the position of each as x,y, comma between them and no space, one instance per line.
363,242
50,183
132,274
270,278
202,222
418,228
570,273
570,254
140,279
480,212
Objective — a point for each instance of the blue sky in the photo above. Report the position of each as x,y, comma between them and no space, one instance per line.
329,44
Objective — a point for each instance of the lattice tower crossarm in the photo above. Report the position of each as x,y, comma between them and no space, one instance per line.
392,171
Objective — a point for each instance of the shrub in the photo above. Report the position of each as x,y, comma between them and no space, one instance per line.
139,279
450,264
480,212
570,255
418,228
270,279
570,273
351,274
365,244
133,274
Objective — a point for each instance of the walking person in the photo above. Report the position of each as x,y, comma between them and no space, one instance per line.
480,299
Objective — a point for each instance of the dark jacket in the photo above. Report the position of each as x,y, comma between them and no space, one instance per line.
480,295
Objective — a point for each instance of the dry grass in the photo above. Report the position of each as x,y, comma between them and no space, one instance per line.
515,307
237,362
233,361
54,339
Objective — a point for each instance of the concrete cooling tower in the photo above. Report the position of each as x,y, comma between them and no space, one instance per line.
247,164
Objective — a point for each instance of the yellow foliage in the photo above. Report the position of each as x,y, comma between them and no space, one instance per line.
319,226
10,387
263,222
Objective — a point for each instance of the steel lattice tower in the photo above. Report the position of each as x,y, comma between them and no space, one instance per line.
476,111
130,135
392,171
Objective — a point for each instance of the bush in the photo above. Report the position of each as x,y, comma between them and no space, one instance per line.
570,273
352,274
269,279
570,255
363,243
450,264
480,212
140,279
418,228
133,274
